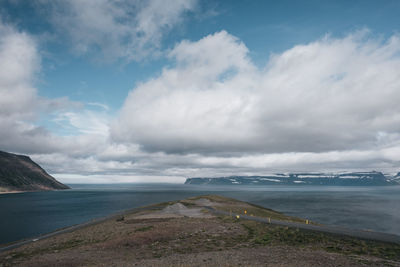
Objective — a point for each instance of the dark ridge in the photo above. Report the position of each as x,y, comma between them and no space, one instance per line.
20,173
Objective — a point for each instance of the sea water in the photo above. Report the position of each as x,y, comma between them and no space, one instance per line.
26,215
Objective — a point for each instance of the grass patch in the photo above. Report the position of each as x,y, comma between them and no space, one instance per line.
250,231
62,246
144,229
261,234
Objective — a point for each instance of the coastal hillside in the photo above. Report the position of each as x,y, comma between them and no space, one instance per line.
20,173
202,231
372,178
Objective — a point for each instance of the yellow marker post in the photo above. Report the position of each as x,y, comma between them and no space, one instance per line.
306,221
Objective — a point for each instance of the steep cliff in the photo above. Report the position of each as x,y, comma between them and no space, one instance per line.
20,173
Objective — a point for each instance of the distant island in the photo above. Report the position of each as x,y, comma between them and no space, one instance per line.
18,173
336,179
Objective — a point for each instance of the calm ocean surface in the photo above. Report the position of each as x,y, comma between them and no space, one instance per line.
27,215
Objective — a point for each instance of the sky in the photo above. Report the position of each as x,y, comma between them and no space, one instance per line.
116,91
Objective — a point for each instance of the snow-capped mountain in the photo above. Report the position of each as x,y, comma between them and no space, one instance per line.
339,179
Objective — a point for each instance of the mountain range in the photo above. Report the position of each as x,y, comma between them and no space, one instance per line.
304,178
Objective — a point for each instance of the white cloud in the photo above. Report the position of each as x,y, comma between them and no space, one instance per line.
329,95
19,61
119,29
82,122
100,105
21,107
198,104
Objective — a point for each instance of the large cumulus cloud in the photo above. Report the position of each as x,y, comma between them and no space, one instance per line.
334,94
21,107
18,65
19,62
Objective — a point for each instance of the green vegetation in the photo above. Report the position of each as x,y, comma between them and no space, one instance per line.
69,244
144,229
262,234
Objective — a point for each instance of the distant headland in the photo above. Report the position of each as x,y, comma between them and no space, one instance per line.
372,178
18,173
